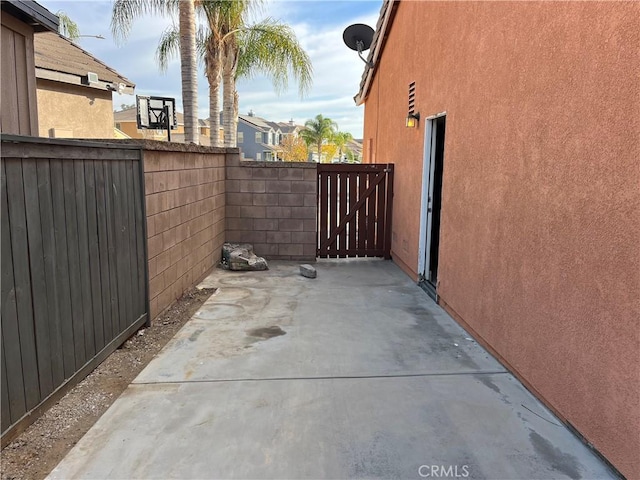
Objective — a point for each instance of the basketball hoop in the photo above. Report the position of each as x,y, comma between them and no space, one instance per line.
157,113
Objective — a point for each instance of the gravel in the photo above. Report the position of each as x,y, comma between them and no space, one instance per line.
36,451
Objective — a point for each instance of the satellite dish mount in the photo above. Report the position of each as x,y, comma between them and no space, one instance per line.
359,37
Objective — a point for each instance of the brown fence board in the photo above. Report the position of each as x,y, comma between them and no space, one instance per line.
342,204
124,283
21,276
38,280
62,268
10,333
73,272
131,241
75,281
371,212
353,199
52,291
333,202
354,210
362,214
111,248
94,254
140,226
83,249
4,391
103,247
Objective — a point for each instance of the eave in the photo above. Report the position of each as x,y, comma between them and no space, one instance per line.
387,14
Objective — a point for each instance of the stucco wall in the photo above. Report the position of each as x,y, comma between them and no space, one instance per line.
78,112
540,225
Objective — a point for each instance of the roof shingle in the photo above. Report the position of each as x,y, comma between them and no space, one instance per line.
56,53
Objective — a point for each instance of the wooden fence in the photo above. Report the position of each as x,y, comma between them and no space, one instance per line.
74,277
355,203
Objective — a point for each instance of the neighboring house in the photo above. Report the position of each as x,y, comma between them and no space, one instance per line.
258,139
126,121
75,90
20,19
516,196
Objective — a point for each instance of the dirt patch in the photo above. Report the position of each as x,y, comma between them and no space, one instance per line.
35,452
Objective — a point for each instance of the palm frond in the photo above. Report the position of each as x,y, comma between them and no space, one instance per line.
272,49
124,12
67,27
168,47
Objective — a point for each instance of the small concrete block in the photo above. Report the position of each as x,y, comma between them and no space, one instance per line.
308,271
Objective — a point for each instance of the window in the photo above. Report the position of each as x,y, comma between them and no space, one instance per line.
258,137
258,156
240,137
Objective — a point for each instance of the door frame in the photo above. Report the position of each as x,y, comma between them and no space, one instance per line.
428,171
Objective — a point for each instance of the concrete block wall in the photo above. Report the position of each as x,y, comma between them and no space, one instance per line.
272,205
185,207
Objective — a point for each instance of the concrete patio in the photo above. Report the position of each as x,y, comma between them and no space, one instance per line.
355,374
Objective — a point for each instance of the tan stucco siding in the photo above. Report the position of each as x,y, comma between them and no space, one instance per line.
540,220
74,111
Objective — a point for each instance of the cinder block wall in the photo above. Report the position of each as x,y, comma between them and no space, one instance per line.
272,205
185,201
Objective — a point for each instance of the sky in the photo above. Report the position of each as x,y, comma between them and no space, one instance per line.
318,25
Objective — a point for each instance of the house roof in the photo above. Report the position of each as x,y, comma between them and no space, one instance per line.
257,122
131,115
387,14
59,59
355,146
289,127
32,13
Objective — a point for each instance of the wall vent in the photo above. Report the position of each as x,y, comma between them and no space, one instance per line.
412,98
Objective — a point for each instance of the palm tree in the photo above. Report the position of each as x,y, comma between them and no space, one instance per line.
189,70
340,139
267,47
318,131
123,14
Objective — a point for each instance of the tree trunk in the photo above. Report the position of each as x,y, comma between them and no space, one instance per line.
214,68
189,70
229,92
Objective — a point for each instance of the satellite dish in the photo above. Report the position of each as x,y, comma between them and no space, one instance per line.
359,37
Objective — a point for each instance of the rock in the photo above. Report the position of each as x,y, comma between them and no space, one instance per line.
308,271
240,257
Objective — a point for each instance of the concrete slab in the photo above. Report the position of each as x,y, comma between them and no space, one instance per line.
370,379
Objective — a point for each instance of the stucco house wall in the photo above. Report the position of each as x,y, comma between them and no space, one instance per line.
540,223
79,112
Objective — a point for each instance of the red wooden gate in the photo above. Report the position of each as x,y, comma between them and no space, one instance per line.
354,210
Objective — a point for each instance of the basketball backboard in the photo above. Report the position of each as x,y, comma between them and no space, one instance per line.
153,112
